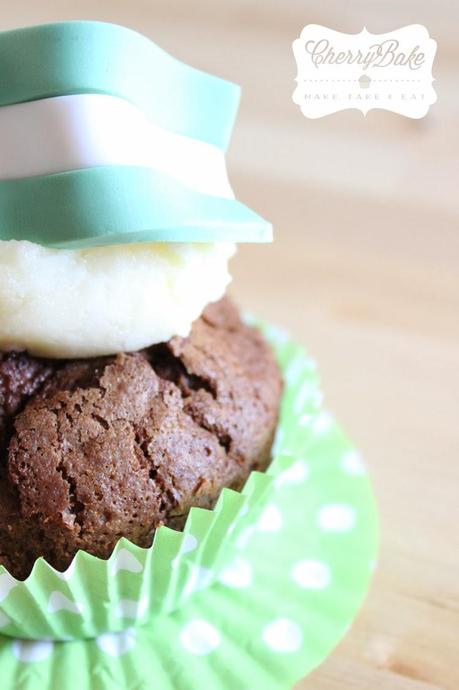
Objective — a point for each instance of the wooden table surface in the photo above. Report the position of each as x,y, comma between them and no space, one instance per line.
364,271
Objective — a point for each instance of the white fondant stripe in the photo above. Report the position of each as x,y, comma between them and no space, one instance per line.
86,130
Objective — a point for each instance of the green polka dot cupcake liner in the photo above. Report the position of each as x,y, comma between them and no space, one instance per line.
250,596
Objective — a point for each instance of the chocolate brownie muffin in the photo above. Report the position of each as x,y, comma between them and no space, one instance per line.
92,450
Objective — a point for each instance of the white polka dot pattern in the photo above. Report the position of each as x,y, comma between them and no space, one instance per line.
237,575
117,644
129,608
124,560
244,537
189,543
311,574
59,602
283,636
270,520
199,579
30,651
7,583
337,517
322,422
352,463
200,638
296,473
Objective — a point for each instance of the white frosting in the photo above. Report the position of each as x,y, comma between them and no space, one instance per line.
86,130
58,303
100,301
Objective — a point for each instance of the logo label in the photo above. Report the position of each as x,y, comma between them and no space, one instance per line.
392,71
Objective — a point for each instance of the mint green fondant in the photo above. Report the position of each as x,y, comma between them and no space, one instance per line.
117,204
95,57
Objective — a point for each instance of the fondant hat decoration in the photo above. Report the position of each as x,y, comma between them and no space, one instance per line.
106,139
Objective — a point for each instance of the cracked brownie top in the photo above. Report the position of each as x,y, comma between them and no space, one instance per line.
92,450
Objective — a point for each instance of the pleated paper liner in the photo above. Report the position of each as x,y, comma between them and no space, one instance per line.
134,585
95,596
298,575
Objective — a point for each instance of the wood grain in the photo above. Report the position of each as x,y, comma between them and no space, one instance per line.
364,271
